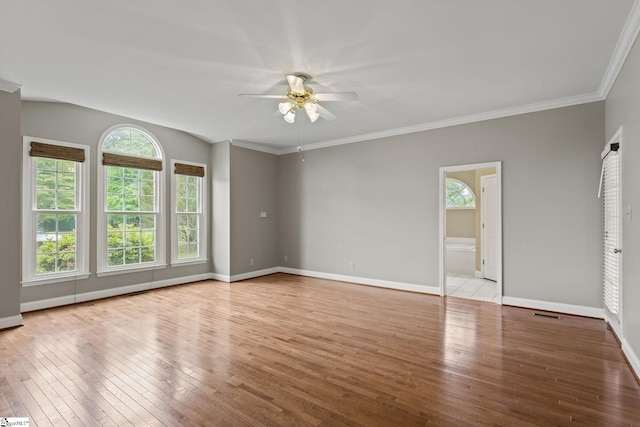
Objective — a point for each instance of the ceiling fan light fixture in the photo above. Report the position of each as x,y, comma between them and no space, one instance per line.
290,116
285,107
313,116
311,107
300,97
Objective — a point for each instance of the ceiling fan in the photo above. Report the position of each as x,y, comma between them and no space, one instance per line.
301,97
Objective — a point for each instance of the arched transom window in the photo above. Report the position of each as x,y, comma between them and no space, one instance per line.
459,195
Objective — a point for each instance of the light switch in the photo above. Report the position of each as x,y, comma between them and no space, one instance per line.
263,214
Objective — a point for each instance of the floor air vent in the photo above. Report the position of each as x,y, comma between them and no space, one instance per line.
552,316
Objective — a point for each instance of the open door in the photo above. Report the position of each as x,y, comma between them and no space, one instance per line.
493,268
489,227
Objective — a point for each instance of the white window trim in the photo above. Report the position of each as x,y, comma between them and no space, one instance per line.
101,239
29,278
461,207
202,238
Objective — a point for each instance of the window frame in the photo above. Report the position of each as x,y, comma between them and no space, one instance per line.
103,268
467,187
29,217
203,211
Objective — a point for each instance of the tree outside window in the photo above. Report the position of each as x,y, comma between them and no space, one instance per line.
459,195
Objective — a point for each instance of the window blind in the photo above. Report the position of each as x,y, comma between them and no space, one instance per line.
112,159
58,152
611,254
183,169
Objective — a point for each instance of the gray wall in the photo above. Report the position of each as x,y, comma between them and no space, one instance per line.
376,203
253,190
221,208
623,109
11,202
70,123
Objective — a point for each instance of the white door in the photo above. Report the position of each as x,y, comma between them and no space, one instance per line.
612,248
489,231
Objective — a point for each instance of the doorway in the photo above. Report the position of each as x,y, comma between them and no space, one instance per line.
470,243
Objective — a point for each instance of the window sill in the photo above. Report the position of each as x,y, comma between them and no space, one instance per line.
125,270
183,263
54,279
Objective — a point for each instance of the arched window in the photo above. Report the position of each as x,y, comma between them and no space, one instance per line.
131,228
459,195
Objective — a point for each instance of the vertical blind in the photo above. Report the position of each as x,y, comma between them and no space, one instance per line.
610,188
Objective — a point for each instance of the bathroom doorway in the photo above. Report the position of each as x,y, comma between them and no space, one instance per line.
471,231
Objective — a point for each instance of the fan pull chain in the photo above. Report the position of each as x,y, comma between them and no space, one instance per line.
301,137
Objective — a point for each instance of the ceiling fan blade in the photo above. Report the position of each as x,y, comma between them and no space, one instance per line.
251,95
337,96
324,113
296,84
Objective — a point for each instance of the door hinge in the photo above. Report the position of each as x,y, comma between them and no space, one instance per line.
482,262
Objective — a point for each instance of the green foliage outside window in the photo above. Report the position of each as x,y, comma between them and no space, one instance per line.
55,191
131,200
57,255
130,189
188,232
459,195
187,200
55,184
131,239
129,141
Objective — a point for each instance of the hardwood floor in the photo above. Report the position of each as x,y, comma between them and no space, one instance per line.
287,350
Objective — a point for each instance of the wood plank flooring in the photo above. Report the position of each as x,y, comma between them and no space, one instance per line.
285,350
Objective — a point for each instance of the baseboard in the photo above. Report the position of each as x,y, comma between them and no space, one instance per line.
557,307
253,274
632,357
112,292
41,304
435,290
478,274
11,321
221,277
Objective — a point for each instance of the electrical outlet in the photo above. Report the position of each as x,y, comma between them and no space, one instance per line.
352,265
251,261
286,258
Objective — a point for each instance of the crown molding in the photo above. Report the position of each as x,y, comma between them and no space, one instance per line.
255,146
6,86
625,42
496,114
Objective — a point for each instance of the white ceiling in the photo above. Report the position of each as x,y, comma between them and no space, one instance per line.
415,64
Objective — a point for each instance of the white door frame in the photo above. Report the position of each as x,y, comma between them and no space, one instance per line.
443,221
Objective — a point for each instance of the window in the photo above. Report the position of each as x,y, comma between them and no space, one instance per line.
130,224
459,195
188,213
55,211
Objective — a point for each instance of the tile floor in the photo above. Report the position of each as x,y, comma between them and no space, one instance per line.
463,286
